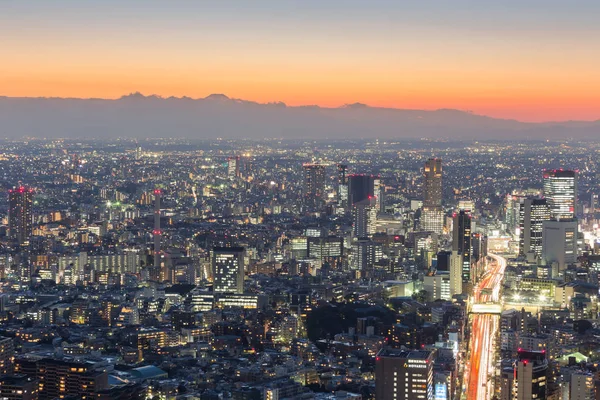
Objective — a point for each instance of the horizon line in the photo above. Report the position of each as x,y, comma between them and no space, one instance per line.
357,104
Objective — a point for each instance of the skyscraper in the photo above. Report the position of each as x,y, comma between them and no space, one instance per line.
360,187
456,268
228,269
432,214
404,374
364,214
532,214
461,241
342,182
233,167
559,243
20,218
314,186
156,272
432,192
560,190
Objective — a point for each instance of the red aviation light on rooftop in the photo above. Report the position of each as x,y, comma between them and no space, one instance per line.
156,232
157,191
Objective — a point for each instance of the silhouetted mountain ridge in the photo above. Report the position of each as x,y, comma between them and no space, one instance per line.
137,115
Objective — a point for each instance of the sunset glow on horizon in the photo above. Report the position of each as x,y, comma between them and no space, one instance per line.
531,62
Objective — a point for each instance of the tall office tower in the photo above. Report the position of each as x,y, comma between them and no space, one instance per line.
560,189
20,218
233,167
559,243
314,186
360,187
156,269
379,192
532,214
342,182
593,203
364,215
404,374
456,273
432,214
461,240
526,378
228,270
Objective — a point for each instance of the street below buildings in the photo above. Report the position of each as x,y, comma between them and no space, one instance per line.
483,333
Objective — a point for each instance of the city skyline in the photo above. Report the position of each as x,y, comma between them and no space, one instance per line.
512,60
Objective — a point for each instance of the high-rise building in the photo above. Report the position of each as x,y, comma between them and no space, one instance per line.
559,243
314,186
364,215
228,269
526,378
461,241
342,182
432,214
360,187
20,217
560,190
233,167
456,273
432,193
404,374
532,214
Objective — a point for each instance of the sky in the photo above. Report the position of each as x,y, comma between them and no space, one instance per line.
531,60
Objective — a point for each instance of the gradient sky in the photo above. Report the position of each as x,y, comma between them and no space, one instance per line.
530,60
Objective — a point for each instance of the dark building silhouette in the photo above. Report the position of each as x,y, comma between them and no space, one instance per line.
20,218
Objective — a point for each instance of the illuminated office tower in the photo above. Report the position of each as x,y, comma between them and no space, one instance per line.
342,182
560,190
432,213
456,268
404,374
532,214
314,186
20,218
461,241
379,192
364,216
233,167
228,269
526,378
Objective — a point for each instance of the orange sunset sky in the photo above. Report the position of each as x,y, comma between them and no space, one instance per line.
528,60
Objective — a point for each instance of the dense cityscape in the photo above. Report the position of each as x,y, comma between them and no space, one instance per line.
279,269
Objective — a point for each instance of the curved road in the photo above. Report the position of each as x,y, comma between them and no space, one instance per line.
483,331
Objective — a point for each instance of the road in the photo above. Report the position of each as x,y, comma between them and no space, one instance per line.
483,332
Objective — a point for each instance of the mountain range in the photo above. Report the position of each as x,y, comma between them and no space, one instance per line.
139,116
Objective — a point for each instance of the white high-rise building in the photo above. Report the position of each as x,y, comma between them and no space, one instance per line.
559,242
228,269
456,267
560,190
